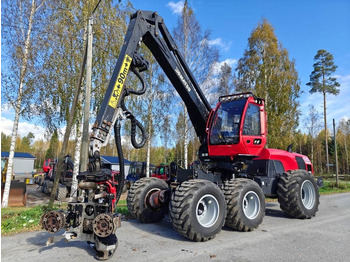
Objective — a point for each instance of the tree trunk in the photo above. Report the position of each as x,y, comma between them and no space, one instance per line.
325,130
79,127
186,138
312,149
149,141
86,121
347,155
148,154
68,128
148,157
18,109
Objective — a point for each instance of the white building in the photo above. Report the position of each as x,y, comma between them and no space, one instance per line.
112,162
23,163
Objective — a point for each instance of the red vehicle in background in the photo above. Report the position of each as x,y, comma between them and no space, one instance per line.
49,169
47,165
166,172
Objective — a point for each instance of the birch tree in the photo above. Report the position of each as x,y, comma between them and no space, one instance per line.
199,55
313,125
21,21
344,128
266,70
225,80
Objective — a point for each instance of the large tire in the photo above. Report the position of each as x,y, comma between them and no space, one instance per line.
198,209
61,193
298,194
44,188
137,196
245,204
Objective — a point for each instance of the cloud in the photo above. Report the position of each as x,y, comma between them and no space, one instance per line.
229,61
176,8
220,43
23,129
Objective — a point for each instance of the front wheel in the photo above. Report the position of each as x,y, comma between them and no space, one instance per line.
198,209
245,204
298,194
138,197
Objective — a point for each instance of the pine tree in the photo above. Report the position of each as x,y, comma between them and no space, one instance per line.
321,81
266,70
52,151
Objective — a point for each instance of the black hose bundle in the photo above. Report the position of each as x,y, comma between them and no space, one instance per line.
134,124
118,142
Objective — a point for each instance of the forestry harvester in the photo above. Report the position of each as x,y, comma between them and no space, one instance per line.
217,191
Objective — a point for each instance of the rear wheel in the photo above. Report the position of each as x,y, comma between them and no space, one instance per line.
198,209
61,193
138,196
245,204
45,188
298,194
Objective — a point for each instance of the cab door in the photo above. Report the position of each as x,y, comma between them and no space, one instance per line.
253,129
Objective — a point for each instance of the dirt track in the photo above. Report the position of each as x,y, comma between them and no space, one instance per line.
35,196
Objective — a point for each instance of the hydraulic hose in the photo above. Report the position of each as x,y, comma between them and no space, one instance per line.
143,89
118,142
135,124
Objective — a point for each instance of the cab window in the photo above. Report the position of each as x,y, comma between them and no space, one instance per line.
225,128
252,126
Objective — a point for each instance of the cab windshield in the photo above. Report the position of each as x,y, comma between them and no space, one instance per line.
135,168
227,119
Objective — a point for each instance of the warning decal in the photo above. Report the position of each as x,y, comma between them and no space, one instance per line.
118,87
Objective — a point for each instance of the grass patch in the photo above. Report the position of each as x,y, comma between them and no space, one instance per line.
330,187
24,219
20,219
122,207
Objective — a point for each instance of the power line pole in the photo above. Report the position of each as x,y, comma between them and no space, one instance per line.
336,154
85,140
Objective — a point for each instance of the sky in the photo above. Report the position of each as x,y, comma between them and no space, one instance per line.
302,26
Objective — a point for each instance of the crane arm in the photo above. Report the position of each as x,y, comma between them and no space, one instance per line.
148,28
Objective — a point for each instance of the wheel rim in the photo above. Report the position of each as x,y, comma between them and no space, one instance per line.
308,194
207,211
251,205
148,195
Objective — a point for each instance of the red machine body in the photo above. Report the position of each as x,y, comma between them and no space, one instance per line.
237,130
111,188
290,161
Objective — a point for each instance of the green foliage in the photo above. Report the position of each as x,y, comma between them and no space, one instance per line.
266,70
52,151
65,49
22,24
5,142
26,143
